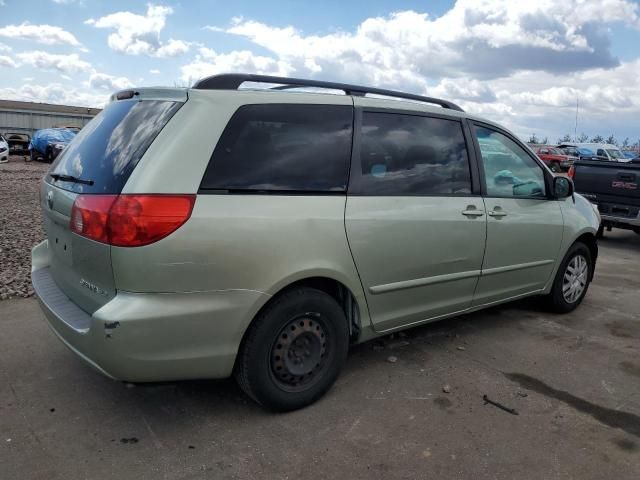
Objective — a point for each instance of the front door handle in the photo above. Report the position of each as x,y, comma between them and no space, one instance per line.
472,211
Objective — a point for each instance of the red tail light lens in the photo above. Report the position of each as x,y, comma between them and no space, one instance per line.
129,220
90,216
572,172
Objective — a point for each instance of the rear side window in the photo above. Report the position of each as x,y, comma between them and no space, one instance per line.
276,147
109,147
412,155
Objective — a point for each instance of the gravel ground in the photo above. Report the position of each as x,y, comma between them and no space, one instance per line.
20,224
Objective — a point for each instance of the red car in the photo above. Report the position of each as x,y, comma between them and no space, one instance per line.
555,159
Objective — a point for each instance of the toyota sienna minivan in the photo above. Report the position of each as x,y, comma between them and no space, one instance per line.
220,230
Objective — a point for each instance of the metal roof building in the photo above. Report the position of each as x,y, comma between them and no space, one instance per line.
27,117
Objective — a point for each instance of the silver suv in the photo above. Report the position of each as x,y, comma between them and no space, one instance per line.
216,230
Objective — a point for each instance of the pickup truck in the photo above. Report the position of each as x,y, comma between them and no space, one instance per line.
555,158
614,188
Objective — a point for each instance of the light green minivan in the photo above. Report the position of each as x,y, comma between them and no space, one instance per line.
219,230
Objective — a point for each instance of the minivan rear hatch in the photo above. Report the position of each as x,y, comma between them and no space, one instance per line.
98,161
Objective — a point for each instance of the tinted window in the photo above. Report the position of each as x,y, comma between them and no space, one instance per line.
508,169
412,155
283,148
109,147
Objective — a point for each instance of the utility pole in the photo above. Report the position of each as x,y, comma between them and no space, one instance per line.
575,128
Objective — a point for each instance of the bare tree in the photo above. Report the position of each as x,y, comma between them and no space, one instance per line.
625,142
611,140
533,138
597,139
566,138
583,137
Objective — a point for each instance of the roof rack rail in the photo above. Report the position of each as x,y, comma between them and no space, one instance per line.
232,81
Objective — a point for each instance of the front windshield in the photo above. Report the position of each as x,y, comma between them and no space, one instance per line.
615,153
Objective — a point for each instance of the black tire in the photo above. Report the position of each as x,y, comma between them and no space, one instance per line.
557,300
49,156
33,156
555,167
301,329
600,232
637,230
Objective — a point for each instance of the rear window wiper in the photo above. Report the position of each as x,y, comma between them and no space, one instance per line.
70,178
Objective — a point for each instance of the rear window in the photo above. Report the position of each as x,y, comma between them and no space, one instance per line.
283,148
109,147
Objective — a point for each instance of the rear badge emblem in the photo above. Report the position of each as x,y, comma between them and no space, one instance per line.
92,287
50,198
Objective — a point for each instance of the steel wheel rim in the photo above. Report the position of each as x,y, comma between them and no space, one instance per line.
574,281
300,351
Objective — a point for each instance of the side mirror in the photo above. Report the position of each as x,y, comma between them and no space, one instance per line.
562,187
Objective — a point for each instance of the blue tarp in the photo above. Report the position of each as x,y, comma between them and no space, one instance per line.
42,138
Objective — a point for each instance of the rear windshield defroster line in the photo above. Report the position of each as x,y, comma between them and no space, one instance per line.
109,147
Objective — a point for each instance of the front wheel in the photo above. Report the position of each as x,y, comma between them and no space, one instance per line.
572,279
293,352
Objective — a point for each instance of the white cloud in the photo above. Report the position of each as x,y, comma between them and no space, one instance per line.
208,62
173,48
108,82
6,61
4,48
45,34
154,71
140,34
486,38
55,93
50,61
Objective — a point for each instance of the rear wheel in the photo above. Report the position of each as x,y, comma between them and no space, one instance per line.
294,351
49,156
572,279
637,230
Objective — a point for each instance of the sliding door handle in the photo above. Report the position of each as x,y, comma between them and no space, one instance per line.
497,213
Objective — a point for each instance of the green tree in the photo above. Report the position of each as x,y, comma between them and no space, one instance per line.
533,138
582,138
612,140
597,139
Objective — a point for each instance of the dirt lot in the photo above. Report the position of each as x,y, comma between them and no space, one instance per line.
574,380
20,224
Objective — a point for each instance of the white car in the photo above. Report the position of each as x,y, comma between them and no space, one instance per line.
4,150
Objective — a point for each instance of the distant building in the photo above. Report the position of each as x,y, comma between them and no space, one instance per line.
27,117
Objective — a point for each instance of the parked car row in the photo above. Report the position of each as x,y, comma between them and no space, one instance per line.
46,144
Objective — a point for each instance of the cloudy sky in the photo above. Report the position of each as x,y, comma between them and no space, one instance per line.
521,63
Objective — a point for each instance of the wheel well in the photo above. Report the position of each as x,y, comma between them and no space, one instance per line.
335,289
590,241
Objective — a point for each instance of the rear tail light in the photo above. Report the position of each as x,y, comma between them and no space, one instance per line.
572,172
129,220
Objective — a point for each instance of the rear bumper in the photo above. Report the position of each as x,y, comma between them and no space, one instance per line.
144,337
